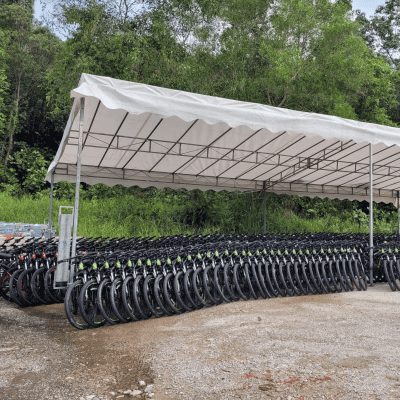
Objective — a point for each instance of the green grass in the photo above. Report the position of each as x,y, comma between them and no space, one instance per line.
122,216
157,213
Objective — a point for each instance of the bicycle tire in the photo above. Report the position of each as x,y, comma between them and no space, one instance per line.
71,305
88,304
104,302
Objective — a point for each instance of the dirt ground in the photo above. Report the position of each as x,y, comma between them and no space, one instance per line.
339,346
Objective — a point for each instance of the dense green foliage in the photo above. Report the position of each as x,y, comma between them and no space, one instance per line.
308,55
164,212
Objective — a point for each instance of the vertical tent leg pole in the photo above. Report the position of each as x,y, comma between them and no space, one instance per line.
78,179
50,221
398,213
371,217
264,210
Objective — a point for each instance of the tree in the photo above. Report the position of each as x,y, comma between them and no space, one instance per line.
385,26
3,96
29,50
382,34
140,49
289,53
16,23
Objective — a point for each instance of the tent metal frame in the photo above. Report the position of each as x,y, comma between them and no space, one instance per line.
78,178
294,163
321,160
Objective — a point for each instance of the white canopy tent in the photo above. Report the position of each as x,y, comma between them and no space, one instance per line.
128,133
136,134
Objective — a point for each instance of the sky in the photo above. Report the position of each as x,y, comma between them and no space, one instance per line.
367,6
38,9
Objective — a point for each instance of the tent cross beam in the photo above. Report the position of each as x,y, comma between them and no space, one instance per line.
293,172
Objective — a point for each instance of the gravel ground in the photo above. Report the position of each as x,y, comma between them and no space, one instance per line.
339,346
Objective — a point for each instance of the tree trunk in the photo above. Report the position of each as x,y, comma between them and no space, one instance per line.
12,123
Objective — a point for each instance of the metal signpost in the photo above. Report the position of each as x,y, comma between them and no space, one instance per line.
63,274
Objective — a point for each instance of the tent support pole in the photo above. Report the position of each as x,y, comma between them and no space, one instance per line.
264,209
371,217
398,212
50,221
78,178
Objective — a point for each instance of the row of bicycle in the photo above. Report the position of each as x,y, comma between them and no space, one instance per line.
387,265
27,266
123,287
120,280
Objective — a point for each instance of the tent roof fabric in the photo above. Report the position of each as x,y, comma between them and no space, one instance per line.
137,134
